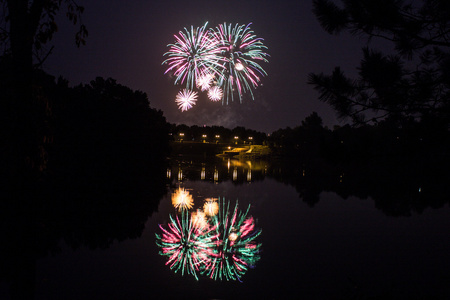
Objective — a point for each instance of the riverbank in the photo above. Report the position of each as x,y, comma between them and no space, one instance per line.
220,149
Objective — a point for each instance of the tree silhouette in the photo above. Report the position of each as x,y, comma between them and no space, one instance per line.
411,83
25,27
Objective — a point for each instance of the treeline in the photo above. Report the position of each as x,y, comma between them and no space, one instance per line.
388,139
217,134
104,155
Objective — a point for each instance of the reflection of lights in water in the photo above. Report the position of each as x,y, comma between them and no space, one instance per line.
203,173
249,175
181,199
169,173
211,207
216,175
228,164
222,246
235,174
180,174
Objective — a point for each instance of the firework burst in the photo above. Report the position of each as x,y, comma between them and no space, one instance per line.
215,93
236,250
182,200
228,57
186,99
242,53
187,247
211,207
218,242
193,53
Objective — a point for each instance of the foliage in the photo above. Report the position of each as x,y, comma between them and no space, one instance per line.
411,83
38,20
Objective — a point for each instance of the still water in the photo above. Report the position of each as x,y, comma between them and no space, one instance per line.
332,247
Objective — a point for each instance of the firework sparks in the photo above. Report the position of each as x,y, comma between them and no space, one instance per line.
187,248
186,99
228,57
198,219
204,81
236,250
242,51
181,199
215,93
211,207
218,243
193,53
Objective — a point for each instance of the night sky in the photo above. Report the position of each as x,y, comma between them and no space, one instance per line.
127,40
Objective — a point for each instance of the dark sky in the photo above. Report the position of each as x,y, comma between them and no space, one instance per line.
127,40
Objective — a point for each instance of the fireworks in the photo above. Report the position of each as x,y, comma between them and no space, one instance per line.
181,199
186,99
217,242
236,250
242,51
187,247
193,53
222,61
211,207
215,93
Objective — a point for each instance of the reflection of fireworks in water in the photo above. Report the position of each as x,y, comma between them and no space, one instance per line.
186,99
181,199
187,247
219,243
198,219
211,207
236,249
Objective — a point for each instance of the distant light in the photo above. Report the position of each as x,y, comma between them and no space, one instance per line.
236,137
204,135
250,138
217,136
181,134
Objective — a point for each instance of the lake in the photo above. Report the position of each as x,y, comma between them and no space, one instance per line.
308,236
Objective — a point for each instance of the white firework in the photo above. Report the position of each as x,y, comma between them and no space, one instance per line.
204,81
215,93
186,99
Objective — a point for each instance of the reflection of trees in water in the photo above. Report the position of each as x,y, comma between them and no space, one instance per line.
217,243
92,211
104,178
398,187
